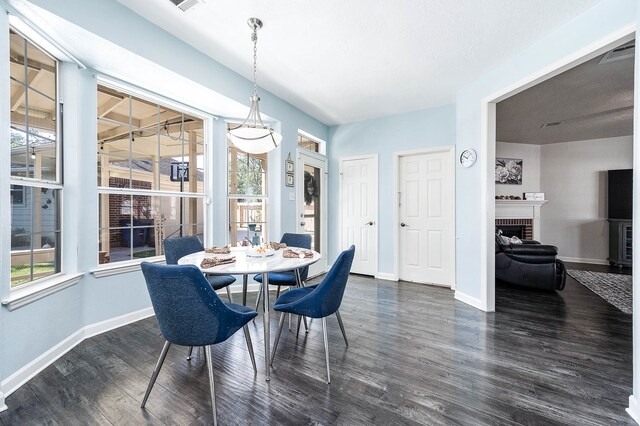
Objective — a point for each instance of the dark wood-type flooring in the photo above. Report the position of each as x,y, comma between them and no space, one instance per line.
416,356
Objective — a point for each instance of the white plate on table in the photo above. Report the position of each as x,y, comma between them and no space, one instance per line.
253,253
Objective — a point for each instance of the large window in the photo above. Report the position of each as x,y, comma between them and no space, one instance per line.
36,182
150,175
247,197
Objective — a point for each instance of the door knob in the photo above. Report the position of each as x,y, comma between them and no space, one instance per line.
370,223
403,224
301,223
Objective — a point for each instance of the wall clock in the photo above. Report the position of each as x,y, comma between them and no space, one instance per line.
468,157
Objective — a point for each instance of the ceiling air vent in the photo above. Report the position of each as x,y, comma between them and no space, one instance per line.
626,51
551,124
185,5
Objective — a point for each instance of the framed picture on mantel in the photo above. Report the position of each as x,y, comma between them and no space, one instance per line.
509,171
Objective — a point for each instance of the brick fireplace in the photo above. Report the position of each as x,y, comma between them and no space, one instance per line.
519,217
522,228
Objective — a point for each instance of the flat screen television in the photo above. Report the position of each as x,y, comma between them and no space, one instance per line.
620,194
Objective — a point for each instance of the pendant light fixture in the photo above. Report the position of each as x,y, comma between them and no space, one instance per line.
253,136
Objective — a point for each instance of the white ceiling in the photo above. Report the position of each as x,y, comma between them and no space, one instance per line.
592,100
344,61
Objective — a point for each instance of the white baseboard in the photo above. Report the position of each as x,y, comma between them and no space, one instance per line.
26,373
633,409
107,325
469,300
386,276
584,260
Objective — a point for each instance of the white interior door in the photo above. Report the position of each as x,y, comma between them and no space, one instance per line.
359,206
311,212
426,217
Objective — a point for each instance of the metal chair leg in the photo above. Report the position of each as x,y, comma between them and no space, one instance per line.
278,292
245,283
212,385
275,344
156,370
258,300
229,294
190,352
325,337
342,327
247,337
298,328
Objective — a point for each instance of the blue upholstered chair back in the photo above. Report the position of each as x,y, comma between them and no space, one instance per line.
298,240
188,310
175,248
326,298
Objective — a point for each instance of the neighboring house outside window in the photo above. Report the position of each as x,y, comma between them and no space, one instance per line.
150,175
247,197
36,178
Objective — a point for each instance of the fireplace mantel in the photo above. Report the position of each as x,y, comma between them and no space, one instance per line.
521,209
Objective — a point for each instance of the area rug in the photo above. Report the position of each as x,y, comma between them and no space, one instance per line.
614,288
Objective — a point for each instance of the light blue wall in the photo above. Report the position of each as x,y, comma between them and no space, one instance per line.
420,129
30,331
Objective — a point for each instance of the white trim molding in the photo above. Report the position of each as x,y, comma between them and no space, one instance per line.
26,373
634,409
3,406
123,267
36,291
469,300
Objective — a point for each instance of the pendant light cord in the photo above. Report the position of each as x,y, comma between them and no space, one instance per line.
254,38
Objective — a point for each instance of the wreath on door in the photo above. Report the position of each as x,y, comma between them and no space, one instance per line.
310,188
47,197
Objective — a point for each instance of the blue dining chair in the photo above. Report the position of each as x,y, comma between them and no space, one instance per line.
190,313
318,301
287,278
175,248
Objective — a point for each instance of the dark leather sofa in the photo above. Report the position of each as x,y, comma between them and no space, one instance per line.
530,264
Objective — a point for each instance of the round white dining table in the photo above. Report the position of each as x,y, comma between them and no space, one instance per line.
246,265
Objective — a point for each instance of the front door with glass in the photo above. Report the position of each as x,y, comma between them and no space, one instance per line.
311,184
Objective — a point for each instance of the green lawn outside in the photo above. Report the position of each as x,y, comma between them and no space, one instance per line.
25,270
146,253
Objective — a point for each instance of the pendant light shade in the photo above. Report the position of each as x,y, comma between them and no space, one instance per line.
253,136
255,140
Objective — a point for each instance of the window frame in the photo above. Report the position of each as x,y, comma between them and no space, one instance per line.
108,269
322,145
39,184
264,197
